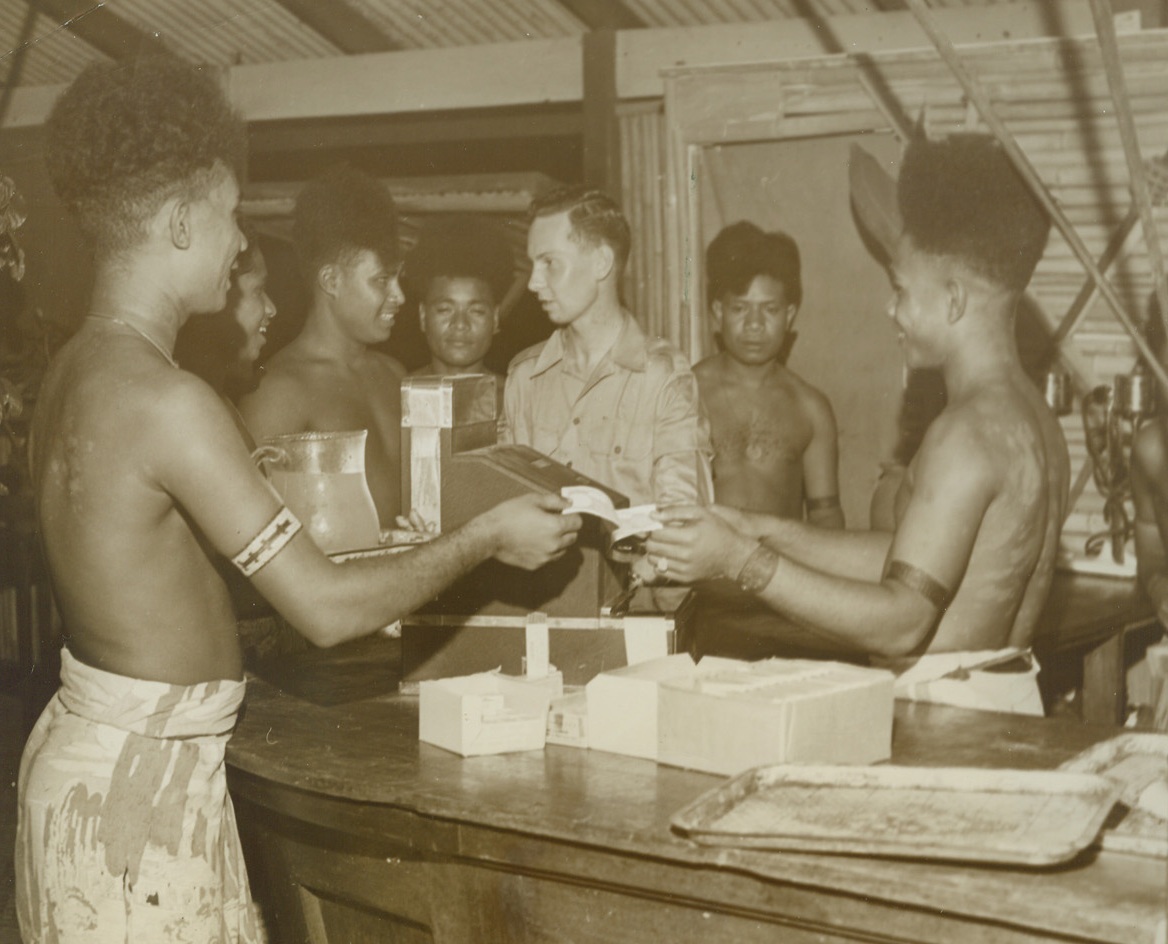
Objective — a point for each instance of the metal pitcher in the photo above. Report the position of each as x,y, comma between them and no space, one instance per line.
321,477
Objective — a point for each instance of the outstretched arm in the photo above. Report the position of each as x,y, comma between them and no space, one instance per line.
207,469
892,615
821,467
856,554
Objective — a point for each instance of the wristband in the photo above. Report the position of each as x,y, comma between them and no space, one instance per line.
758,570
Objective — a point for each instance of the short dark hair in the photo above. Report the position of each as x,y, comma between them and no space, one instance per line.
469,247
594,215
741,252
125,137
961,197
339,214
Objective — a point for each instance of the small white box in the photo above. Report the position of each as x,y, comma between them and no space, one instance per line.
487,713
567,723
622,704
778,711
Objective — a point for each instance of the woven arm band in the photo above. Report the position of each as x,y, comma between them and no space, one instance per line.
921,583
758,570
272,539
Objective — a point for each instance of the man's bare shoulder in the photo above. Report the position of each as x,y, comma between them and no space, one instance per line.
959,437
710,370
167,412
281,381
384,363
281,401
292,363
813,402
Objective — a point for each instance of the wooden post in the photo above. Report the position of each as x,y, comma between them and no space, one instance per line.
602,163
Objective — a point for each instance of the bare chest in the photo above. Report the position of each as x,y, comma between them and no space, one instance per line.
763,427
370,401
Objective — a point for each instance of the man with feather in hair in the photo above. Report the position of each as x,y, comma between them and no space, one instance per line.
960,582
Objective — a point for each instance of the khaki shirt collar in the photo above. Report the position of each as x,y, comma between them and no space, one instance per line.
628,351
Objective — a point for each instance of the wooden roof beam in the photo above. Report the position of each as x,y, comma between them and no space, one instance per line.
603,14
95,24
342,24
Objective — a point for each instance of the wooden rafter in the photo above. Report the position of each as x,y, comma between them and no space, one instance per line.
95,24
380,131
603,14
342,24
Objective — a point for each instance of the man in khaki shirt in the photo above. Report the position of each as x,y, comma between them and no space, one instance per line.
598,395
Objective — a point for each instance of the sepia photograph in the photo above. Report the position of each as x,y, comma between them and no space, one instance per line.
583,471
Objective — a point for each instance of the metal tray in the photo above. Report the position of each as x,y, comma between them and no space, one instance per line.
1134,761
967,814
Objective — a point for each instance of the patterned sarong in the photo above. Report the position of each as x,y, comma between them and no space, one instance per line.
126,832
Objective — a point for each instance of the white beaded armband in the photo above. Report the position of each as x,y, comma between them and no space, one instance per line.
268,543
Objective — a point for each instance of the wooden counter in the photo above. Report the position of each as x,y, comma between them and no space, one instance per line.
368,835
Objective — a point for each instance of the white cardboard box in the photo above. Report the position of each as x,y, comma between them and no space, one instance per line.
567,723
777,711
623,704
487,713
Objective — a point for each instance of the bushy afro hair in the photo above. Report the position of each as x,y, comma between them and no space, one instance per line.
339,214
741,252
125,137
961,197
471,247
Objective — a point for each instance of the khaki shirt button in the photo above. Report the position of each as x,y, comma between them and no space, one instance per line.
576,421
617,450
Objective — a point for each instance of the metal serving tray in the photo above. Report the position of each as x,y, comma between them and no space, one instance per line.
969,814
1136,762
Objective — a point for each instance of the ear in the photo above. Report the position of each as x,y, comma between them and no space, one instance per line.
957,298
602,261
422,316
179,223
792,314
495,319
716,312
328,279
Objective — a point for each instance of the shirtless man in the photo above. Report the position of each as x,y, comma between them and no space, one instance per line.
773,434
328,379
461,270
125,827
970,562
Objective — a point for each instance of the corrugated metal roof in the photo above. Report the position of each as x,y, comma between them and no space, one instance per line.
469,22
53,54
227,32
